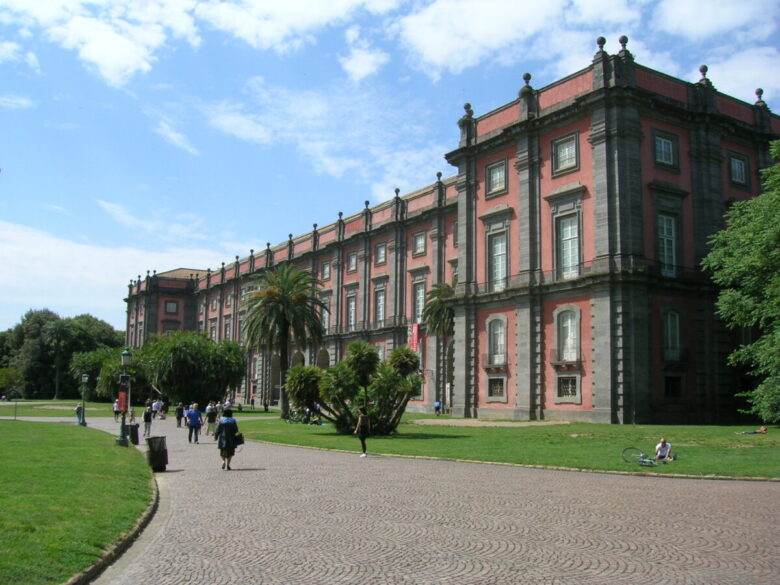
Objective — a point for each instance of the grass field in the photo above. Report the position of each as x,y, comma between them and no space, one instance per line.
68,493
700,450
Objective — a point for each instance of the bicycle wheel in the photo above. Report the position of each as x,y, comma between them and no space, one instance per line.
633,455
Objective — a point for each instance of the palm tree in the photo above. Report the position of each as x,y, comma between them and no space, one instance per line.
439,318
284,308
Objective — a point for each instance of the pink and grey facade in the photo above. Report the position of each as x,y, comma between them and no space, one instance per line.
575,225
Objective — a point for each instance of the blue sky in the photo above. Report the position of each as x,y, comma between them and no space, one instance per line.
156,134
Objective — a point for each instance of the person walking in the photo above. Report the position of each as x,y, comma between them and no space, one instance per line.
79,413
211,419
363,428
179,414
148,416
227,429
194,422
116,410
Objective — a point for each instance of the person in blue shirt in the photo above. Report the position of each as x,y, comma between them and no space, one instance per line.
194,422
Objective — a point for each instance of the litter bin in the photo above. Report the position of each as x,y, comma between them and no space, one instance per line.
131,431
157,455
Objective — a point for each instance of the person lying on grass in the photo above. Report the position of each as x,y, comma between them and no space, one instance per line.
758,431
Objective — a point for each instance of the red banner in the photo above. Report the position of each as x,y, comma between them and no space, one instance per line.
414,338
123,402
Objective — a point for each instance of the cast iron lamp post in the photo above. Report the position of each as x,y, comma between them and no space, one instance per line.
125,357
84,380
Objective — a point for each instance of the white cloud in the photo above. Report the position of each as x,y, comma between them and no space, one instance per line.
174,137
117,54
167,227
230,119
456,34
282,26
738,74
698,20
9,51
70,268
15,102
362,60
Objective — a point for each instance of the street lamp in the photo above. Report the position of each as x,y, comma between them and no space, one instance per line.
84,380
125,357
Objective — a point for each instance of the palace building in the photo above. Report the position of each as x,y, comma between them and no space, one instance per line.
574,230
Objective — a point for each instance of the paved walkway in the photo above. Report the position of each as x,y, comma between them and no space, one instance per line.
292,516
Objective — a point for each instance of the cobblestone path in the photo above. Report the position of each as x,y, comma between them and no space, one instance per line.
289,516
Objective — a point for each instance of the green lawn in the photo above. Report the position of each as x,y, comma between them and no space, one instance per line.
701,450
68,493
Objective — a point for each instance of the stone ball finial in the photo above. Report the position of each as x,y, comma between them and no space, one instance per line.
601,41
366,202
268,245
703,70
438,176
526,89
314,225
397,191
289,236
760,95
526,77
623,40
341,214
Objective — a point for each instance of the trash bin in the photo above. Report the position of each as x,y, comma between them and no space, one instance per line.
157,455
132,433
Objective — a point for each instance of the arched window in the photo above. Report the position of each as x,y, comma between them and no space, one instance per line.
671,327
568,336
497,342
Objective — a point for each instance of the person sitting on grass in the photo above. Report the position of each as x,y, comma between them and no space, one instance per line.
663,451
758,431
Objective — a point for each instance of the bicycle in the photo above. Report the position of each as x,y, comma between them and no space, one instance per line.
636,455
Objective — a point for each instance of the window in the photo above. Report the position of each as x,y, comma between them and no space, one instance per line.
564,154
667,244
213,330
671,332
497,342
454,234
325,318
228,299
202,308
379,307
172,307
214,304
326,271
666,149
568,248
352,262
381,253
351,313
567,389
495,178
497,261
738,169
495,388
418,293
380,351
227,330
418,246
568,337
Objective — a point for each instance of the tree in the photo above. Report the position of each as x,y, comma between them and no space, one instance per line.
387,387
284,308
11,381
189,367
58,334
31,354
745,264
439,319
